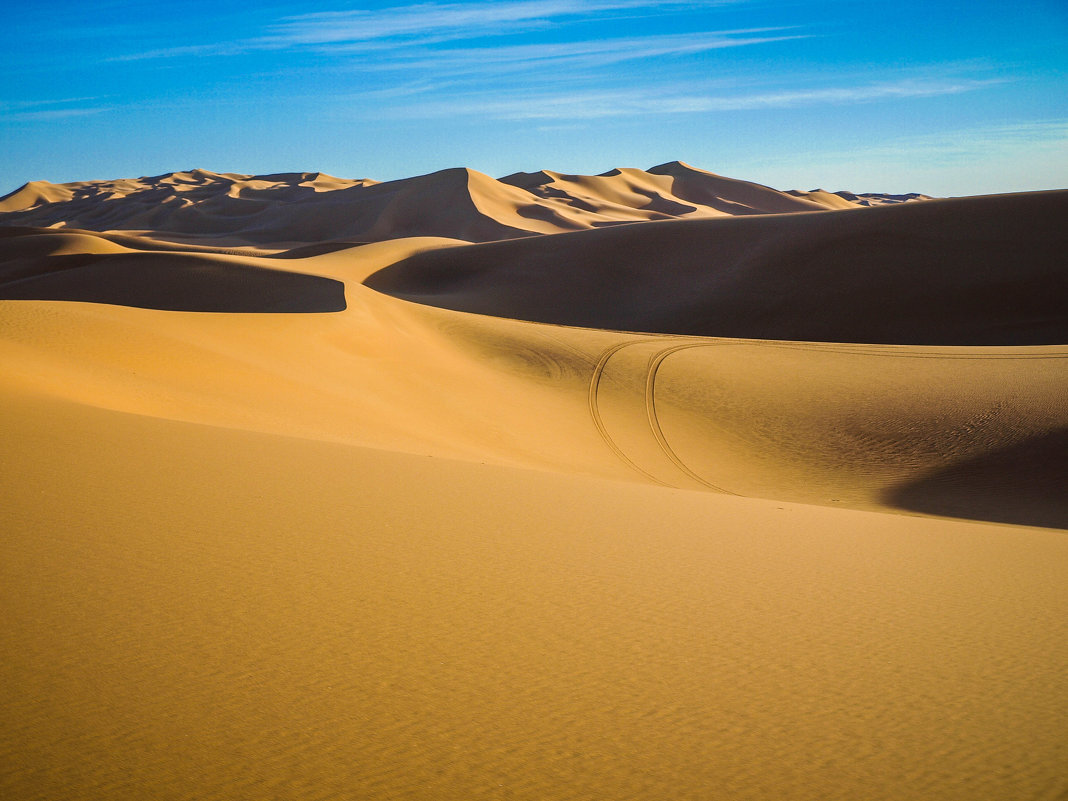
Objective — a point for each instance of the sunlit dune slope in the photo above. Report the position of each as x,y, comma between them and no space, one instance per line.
286,209
972,271
729,195
35,194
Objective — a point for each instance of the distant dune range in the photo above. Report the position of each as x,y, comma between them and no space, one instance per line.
635,485
293,208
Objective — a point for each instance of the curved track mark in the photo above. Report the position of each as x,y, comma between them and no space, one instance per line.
654,421
595,413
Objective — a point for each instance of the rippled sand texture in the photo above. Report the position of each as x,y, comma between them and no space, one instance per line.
270,531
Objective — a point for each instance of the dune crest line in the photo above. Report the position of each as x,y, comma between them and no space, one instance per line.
284,210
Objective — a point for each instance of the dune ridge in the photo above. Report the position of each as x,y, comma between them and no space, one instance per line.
283,210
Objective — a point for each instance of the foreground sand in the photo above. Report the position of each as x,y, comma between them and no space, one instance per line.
322,542
198,612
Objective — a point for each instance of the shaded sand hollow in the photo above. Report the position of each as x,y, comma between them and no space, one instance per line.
704,508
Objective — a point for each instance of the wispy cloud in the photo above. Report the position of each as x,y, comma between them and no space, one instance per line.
1023,155
447,21
52,109
213,49
17,105
846,95
54,114
368,31
582,54
970,145
595,104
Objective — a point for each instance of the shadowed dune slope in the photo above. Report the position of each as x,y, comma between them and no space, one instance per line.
46,265
1021,483
971,271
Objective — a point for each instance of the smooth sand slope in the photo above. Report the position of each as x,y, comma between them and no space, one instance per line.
195,612
265,540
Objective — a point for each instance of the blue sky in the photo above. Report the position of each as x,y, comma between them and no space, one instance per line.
947,98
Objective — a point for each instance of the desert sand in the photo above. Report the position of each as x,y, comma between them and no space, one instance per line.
649,484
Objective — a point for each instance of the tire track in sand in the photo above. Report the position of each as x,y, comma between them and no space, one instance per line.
654,421
650,410
595,412
657,360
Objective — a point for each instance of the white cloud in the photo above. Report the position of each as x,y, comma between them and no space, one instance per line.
1019,156
366,31
620,103
39,110
214,49
965,144
54,114
594,53
959,145
19,105
445,20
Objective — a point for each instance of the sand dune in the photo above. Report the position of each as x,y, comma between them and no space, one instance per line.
283,210
846,200
973,271
664,192
34,194
431,519
727,194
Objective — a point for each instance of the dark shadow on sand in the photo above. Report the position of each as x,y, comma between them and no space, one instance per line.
169,282
1024,484
960,272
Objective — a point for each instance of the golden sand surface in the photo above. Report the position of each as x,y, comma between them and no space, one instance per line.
269,531
200,612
